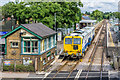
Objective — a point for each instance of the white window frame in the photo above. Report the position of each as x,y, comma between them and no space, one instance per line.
15,46
51,41
30,47
47,44
42,45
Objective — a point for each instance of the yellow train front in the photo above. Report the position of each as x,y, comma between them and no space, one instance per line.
73,46
77,42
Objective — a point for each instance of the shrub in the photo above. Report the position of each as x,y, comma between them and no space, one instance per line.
20,68
8,68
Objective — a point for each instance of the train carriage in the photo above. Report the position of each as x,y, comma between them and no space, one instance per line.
76,43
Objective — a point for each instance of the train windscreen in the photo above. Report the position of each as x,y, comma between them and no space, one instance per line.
68,40
77,41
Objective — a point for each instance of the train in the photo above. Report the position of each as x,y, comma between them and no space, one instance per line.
76,43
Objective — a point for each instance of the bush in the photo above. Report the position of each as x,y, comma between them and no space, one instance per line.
8,68
20,68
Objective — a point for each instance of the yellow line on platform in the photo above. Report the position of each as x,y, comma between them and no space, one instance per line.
111,39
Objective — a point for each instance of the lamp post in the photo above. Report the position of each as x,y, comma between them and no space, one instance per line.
12,22
55,22
56,33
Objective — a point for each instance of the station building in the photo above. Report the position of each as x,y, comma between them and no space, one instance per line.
31,41
84,23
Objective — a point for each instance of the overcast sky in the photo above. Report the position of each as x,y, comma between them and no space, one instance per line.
91,5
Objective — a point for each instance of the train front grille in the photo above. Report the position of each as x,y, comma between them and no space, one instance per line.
75,47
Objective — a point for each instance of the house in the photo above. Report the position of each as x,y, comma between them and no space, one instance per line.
32,41
5,27
2,42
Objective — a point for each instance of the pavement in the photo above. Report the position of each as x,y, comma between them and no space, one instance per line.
110,37
78,74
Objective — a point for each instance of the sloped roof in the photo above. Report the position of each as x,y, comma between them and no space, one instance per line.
87,21
39,29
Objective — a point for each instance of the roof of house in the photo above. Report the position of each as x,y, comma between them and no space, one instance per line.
37,29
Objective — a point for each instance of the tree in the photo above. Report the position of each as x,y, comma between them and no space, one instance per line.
98,15
66,12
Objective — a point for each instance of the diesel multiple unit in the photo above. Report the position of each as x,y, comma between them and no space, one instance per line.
76,43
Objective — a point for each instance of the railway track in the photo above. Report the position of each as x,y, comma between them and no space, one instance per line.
99,43
66,64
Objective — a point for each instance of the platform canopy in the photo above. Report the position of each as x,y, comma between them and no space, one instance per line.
88,21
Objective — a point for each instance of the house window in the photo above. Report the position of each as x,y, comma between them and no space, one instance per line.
44,61
42,46
31,46
47,43
52,56
52,41
55,39
14,44
34,46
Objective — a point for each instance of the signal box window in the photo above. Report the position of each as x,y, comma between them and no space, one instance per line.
14,44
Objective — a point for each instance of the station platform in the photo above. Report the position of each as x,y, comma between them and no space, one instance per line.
111,37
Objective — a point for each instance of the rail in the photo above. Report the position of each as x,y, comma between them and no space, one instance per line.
91,58
72,69
95,41
59,70
104,46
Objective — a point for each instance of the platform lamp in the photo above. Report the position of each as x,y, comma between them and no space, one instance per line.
12,21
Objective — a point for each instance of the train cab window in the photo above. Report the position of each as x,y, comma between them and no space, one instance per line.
77,41
68,40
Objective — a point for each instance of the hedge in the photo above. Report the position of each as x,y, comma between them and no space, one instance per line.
20,68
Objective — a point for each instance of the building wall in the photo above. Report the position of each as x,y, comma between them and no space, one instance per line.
15,37
39,58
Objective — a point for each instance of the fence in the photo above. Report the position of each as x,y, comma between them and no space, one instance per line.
20,65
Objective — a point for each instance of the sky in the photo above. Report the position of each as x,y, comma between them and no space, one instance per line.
90,5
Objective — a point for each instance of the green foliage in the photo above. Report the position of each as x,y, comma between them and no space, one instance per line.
8,68
20,68
66,12
98,15
116,14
